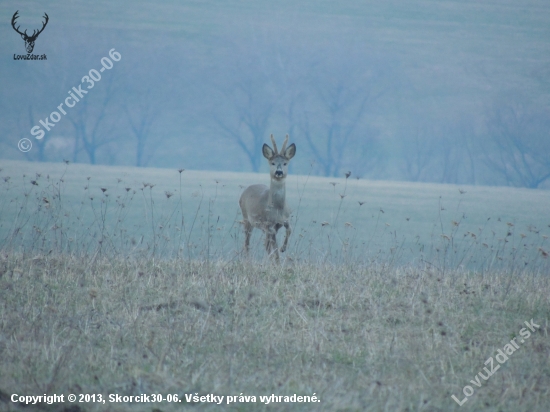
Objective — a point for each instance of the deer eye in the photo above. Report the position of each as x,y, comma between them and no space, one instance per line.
273,164
285,164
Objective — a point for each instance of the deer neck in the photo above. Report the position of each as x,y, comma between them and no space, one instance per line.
277,194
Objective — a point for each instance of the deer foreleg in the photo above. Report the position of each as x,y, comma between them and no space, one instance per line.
247,232
271,242
287,235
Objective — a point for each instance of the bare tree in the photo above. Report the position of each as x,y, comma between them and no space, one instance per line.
248,124
249,95
417,153
518,146
94,121
369,156
437,150
141,116
331,114
451,157
21,124
39,145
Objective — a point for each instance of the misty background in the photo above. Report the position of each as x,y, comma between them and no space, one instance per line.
432,91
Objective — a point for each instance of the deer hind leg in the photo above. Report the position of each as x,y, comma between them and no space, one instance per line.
288,232
247,233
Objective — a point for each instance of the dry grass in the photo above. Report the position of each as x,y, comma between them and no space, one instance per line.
147,292
361,338
162,213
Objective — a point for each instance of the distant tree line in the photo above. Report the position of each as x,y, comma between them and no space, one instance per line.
343,111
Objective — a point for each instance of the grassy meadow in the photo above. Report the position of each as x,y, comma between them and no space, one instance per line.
124,211
391,296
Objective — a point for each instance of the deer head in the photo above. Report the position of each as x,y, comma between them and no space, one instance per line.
29,40
278,161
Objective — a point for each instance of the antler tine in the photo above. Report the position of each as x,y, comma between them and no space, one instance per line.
35,33
284,144
274,144
13,22
47,19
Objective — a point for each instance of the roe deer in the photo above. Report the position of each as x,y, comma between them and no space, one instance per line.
265,207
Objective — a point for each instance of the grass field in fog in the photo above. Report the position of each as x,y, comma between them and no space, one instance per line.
132,282
195,214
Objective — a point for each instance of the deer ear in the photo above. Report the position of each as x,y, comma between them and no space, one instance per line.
290,151
267,151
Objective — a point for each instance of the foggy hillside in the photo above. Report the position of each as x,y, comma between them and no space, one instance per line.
434,91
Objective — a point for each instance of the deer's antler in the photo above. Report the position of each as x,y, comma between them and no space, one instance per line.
45,16
274,145
15,16
284,144
34,33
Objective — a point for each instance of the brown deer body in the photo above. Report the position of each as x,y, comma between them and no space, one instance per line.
265,207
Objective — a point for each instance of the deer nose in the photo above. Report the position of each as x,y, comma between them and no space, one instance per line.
278,173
